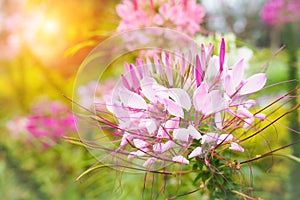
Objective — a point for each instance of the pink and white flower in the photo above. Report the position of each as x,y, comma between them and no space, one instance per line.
163,109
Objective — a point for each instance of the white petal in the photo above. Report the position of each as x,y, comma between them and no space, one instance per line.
180,159
125,138
132,99
248,122
212,70
234,146
149,124
260,116
181,97
172,124
196,152
229,85
209,138
224,138
138,153
149,162
167,146
162,133
218,120
243,112
238,72
217,101
202,100
194,132
147,88
138,143
181,134
173,108
254,84
249,103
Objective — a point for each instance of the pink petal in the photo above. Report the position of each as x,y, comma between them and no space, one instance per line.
194,133
126,68
162,133
238,72
126,137
132,99
181,134
149,162
218,120
137,153
167,146
172,124
254,84
150,124
198,71
139,65
260,116
196,152
209,138
203,59
224,138
138,143
147,88
181,97
201,97
133,77
180,159
248,122
249,103
169,76
229,85
125,82
173,108
210,50
243,112
212,71
234,146
218,103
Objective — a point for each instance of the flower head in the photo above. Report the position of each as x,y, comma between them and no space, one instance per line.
173,110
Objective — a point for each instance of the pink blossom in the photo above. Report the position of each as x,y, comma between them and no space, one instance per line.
162,109
184,16
278,12
49,121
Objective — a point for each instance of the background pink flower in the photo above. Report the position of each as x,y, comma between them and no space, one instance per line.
49,121
184,16
278,12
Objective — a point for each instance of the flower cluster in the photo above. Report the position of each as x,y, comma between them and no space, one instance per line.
184,16
278,12
47,122
173,109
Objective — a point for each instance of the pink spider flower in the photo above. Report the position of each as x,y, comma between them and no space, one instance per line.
171,111
49,121
278,12
184,16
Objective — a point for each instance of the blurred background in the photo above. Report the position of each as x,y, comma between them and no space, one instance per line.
43,43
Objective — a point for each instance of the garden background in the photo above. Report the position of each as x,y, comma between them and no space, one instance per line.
42,45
